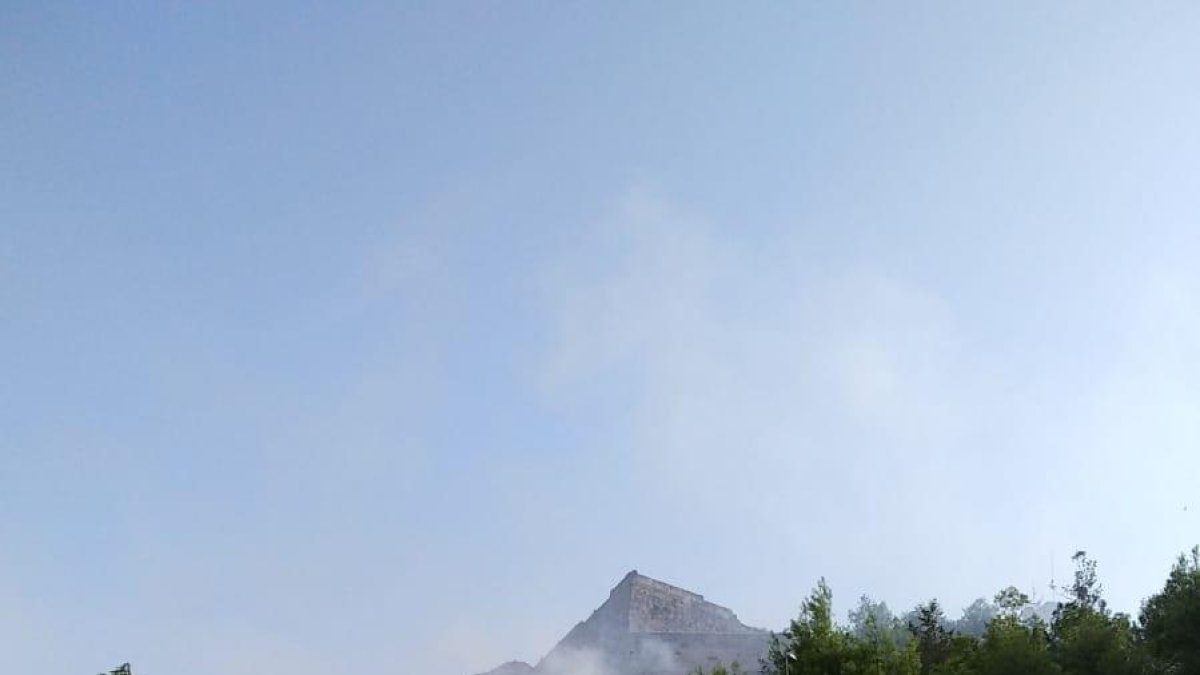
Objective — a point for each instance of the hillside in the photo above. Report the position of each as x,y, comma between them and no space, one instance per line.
648,627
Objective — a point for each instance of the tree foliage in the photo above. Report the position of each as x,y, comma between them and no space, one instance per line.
1086,638
1013,647
814,644
975,618
1003,637
934,640
1170,620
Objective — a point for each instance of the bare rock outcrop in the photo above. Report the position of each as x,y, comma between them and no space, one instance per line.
647,627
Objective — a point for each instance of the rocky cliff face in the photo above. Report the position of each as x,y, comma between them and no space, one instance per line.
647,627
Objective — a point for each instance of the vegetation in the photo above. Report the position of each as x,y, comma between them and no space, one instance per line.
1002,637
1169,626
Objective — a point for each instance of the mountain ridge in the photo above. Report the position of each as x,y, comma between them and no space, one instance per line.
649,627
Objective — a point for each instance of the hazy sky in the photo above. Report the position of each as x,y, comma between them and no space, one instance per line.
385,338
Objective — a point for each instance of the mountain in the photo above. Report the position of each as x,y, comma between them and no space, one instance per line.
511,668
647,627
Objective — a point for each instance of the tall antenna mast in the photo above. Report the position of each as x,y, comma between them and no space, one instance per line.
1053,588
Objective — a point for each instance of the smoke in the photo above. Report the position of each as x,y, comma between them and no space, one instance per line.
575,661
658,656
645,655
765,360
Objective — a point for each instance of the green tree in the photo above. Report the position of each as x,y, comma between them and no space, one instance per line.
883,649
1011,601
871,616
934,640
1086,590
1087,639
1083,638
975,618
964,653
1013,647
812,643
1170,619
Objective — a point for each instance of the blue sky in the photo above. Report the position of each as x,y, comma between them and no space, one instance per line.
388,337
